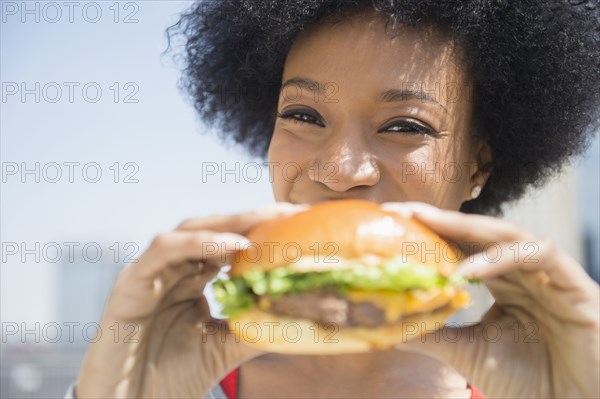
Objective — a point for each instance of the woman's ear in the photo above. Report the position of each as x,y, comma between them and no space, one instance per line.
480,175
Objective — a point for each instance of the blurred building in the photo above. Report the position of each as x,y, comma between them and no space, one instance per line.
589,209
34,371
41,361
83,290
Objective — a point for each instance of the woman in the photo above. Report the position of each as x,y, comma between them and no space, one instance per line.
375,100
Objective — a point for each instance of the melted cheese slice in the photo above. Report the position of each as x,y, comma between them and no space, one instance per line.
399,304
396,305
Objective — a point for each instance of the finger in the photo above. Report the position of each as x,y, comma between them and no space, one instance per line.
173,277
189,288
471,232
242,222
553,265
408,208
399,207
174,248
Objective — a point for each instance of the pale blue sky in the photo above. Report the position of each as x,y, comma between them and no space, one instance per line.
160,134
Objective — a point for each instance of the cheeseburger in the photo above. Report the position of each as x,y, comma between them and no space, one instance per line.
343,276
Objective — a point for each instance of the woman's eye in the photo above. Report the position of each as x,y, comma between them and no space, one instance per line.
408,126
301,117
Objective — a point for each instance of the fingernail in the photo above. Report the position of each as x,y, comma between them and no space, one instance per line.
422,208
398,208
232,238
288,205
284,207
472,268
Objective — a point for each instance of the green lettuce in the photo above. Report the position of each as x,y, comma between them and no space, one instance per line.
239,293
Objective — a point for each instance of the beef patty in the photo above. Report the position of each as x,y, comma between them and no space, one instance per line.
324,307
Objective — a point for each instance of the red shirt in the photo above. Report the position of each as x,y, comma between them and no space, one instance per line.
229,384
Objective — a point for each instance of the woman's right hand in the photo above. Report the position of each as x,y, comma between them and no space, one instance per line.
159,339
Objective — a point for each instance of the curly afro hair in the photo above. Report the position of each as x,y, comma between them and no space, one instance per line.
535,67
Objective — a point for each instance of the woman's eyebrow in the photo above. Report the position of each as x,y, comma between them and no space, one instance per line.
388,96
394,95
306,84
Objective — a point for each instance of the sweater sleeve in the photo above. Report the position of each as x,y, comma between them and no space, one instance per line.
71,392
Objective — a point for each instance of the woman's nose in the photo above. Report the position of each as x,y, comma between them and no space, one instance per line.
345,164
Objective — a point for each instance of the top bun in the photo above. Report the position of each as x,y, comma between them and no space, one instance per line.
343,229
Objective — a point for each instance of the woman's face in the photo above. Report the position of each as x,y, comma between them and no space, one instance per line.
364,115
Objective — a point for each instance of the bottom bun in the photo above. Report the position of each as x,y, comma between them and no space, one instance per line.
279,334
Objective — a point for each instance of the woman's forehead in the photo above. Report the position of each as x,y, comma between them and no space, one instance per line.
359,58
361,49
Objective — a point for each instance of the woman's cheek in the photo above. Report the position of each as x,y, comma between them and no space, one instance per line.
429,178
284,163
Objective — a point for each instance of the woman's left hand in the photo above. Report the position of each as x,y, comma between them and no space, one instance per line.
541,338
